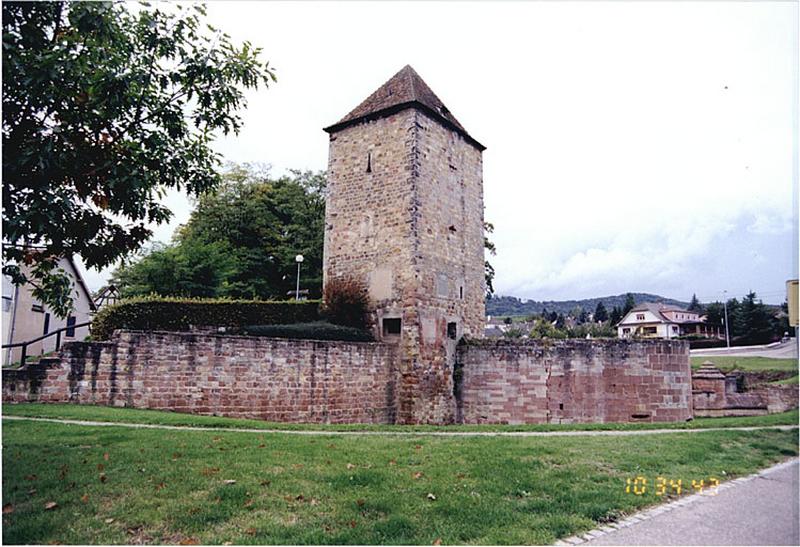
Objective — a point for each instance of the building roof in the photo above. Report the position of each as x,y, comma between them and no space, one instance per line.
656,310
403,90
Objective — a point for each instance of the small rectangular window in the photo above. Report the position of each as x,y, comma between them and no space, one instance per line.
71,320
391,326
46,323
452,331
37,308
6,303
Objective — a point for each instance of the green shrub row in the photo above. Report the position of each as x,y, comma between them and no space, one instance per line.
318,330
179,314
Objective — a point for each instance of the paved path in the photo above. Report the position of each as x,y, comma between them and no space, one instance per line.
590,433
786,350
761,509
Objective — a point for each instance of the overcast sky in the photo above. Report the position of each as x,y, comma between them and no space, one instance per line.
631,146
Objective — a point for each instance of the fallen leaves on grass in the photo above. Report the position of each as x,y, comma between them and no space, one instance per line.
418,475
160,485
350,466
431,497
229,481
297,465
360,503
189,541
30,477
106,456
100,467
250,531
437,541
265,483
208,471
85,498
8,508
103,477
175,456
50,505
109,520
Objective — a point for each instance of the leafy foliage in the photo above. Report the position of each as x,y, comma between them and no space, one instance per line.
345,302
317,330
600,313
749,321
176,314
488,228
240,241
103,109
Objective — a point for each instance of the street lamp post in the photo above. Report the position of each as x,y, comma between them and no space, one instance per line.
727,332
299,260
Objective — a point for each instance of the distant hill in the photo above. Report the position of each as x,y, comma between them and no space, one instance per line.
510,305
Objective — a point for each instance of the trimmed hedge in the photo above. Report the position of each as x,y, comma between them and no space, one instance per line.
179,314
318,330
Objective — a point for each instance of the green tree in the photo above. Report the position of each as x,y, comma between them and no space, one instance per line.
600,313
695,305
715,313
191,269
545,329
615,316
630,303
756,322
241,240
104,108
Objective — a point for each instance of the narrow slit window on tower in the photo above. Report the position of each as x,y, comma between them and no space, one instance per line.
391,326
461,293
452,331
369,162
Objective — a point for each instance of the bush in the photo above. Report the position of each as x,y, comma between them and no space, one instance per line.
318,330
345,302
179,314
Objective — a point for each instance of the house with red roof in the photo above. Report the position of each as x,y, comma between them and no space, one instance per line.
656,320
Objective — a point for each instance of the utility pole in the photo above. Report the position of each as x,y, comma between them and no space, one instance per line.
727,332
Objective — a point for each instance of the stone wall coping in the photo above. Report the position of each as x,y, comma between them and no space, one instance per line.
557,342
195,335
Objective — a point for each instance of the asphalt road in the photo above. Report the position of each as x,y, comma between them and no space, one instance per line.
786,350
762,511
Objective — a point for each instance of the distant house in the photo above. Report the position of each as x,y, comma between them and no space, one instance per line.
25,318
651,320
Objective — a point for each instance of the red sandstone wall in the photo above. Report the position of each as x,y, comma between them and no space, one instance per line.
270,379
564,381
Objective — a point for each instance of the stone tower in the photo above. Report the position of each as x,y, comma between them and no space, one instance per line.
404,215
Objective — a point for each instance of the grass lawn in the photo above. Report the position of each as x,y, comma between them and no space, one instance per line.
116,485
111,414
728,363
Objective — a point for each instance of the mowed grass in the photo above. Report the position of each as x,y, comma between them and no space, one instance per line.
116,485
728,363
155,417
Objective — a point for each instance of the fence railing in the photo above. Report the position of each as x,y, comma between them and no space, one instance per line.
57,333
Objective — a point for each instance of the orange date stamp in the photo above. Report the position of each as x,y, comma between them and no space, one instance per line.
661,486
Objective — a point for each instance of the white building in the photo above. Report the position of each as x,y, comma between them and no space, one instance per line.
25,318
651,320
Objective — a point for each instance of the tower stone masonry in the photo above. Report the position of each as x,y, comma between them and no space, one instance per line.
404,215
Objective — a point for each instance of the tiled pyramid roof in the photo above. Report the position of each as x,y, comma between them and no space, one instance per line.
403,90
